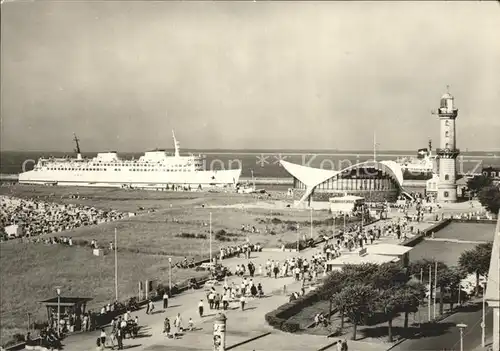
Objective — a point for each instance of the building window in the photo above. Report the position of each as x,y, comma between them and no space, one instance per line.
447,123
446,194
447,146
447,134
447,177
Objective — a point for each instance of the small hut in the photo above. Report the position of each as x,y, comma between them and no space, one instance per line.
72,310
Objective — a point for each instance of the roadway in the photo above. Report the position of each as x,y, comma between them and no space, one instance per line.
447,335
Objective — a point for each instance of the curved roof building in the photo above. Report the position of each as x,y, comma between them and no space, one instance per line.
374,180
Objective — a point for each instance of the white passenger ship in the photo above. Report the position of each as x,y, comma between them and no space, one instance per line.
420,167
155,169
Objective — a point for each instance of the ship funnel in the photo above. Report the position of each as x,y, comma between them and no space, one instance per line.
176,145
77,149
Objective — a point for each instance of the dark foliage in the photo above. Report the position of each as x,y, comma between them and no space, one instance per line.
477,183
490,198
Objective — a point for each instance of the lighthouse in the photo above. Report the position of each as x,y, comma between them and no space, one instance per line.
447,152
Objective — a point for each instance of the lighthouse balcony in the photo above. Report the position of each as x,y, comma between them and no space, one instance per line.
444,112
448,152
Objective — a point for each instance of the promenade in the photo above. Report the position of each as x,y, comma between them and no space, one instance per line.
241,325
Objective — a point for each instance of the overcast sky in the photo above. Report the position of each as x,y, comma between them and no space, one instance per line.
318,75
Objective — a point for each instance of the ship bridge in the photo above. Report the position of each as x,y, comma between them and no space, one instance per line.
107,156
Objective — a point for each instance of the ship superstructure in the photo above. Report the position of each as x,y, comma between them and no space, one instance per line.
421,166
156,169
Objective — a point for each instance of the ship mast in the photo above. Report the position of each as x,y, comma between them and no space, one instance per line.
375,144
77,150
176,145
430,147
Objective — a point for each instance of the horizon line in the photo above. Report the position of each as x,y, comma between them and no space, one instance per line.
370,151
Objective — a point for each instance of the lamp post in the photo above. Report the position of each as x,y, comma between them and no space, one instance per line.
430,294
298,239
483,320
459,288
116,268
58,291
461,326
210,239
170,276
435,287
311,222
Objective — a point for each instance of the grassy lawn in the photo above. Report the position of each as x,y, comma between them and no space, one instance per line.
30,272
447,252
467,231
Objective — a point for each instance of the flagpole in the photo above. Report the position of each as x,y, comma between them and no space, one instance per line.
311,222
210,237
116,269
435,286
430,293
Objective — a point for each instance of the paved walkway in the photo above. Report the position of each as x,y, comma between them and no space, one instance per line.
241,325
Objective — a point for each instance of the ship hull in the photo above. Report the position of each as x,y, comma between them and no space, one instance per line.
120,179
416,174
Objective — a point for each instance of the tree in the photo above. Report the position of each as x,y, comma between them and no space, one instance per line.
389,275
476,261
357,301
411,296
388,302
359,273
448,278
331,286
477,183
489,197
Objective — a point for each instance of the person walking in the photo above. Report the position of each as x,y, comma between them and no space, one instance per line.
339,345
178,325
103,338
151,306
242,302
225,301
200,308
166,327
165,300
211,297
119,338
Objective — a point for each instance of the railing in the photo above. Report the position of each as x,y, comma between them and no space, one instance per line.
448,151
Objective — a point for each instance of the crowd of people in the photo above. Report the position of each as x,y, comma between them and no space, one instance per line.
36,217
237,250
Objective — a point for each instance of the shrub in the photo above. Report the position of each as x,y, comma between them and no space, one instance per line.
290,327
293,245
191,236
273,320
40,325
279,317
276,221
18,338
160,290
220,232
